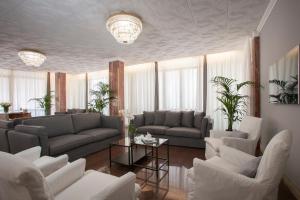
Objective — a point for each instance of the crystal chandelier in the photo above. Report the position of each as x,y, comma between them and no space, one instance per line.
32,58
124,27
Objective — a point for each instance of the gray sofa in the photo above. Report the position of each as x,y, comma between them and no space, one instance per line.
77,135
5,126
185,128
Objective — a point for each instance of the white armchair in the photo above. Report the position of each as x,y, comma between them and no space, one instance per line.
46,164
251,126
218,178
22,180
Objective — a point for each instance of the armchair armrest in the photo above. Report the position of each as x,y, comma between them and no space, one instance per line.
245,145
48,164
66,176
38,131
234,156
206,126
112,122
122,187
214,183
31,154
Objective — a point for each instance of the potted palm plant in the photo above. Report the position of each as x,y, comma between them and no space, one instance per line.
100,97
44,102
234,104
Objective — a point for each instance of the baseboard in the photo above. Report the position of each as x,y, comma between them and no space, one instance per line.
292,186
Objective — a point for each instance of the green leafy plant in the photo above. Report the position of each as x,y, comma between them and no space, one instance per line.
234,104
101,97
45,102
287,91
5,106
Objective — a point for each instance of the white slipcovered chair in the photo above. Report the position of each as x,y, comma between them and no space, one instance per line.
22,180
46,164
219,178
251,126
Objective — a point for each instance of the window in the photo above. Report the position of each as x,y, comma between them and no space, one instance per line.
76,91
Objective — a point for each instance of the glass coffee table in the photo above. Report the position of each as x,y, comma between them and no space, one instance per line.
137,150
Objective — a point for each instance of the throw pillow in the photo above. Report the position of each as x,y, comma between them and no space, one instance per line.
159,117
249,168
138,120
198,119
187,118
149,118
173,119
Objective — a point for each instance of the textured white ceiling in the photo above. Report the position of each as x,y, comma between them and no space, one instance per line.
73,35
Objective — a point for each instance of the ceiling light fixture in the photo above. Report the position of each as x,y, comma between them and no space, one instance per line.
124,27
32,58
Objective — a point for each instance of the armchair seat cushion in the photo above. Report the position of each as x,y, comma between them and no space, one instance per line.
156,130
91,183
64,143
223,164
100,133
184,132
214,143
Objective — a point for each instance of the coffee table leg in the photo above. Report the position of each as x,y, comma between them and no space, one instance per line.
156,163
168,154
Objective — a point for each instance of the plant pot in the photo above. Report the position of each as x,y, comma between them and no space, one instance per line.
6,109
47,112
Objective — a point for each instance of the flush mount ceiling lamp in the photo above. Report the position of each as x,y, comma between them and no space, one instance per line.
124,27
32,58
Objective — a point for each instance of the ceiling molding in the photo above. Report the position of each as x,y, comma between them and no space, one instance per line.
266,15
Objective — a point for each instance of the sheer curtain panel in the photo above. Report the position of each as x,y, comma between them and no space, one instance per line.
5,94
181,84
76,88
233,64
139,88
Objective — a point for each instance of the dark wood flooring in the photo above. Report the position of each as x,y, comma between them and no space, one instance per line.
173,186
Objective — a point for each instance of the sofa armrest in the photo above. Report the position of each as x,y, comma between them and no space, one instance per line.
66,176
31,154
38,131
112,122
206,126
123,186
6,124
4,145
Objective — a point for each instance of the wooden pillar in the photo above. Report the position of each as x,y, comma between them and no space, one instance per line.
204,83
116,84
256,75
60,92
48,83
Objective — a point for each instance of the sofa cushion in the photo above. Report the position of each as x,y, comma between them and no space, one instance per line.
173,119
100,133
156,130
184,132
159,117
149,118
138,120
187,119
64,143
55,125
84,121
198,119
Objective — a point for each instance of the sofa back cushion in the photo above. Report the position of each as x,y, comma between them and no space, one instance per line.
84,121
198,119
55,125
149,118
159,117
173,119
187,119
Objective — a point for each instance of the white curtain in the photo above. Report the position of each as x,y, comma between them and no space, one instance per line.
233,64
5,78
93,79
139,88
76,88
180,84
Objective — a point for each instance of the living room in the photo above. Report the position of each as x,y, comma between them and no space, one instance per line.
170,99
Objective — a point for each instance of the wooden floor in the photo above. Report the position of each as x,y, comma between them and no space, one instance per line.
173,186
